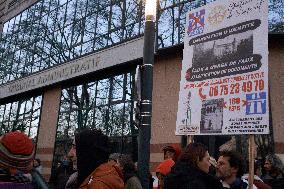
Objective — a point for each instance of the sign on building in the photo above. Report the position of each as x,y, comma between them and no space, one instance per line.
119,54
224,78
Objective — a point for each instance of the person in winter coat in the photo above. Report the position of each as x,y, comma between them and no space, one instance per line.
129,172
37,165
274,175
106,176
94,170
230,168
72,180
62,174
162,170
257,173
16,157
191,170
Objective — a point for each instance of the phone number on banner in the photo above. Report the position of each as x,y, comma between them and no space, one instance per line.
236,88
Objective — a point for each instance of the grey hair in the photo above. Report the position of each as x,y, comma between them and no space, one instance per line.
124,159
114,156
275,161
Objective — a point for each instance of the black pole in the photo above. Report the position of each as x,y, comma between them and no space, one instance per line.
146,104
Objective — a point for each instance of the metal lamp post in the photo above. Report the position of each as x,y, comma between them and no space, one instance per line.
146,94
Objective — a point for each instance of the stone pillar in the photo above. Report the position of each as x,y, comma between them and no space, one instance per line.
166,79
47,129
276,78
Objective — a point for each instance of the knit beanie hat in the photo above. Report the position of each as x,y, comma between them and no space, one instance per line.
16,151
165,166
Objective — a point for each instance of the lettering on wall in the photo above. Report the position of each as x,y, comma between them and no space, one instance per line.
125,52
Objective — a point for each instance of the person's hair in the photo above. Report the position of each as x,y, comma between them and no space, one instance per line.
92,149
235,160
38,161
276,163
114,156
128,166
174,149
193,153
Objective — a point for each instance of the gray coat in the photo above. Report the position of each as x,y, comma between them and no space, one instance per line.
133,183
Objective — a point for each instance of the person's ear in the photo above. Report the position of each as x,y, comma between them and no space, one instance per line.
197,161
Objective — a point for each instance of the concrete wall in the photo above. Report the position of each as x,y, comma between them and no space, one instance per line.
166,77
276,78
47,129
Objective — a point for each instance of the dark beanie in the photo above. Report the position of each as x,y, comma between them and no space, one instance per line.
16,151
92,149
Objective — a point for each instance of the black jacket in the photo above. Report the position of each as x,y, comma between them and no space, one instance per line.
185,176
238,184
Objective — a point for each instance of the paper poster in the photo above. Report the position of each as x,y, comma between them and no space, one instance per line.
224,78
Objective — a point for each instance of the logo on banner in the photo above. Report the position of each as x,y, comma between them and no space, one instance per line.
196,23
217,15
256,103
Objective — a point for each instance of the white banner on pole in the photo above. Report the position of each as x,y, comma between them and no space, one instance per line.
224,77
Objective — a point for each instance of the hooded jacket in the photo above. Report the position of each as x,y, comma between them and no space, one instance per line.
165,166
185,176
106,176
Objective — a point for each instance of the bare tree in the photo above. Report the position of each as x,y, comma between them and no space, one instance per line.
276,10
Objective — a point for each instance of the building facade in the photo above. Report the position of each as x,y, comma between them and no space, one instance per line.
66,65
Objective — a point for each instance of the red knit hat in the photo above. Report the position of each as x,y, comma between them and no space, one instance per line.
165,166
16,150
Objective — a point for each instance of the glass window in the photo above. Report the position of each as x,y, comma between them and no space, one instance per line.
62,2
81,9
53,4
168,22
71,28
22,115
45,6
106,104
70,11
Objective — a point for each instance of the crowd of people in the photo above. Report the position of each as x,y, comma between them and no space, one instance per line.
89,165
195,169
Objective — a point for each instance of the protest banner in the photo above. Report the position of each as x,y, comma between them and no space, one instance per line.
224,77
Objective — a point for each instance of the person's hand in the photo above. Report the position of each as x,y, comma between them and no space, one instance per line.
212,161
